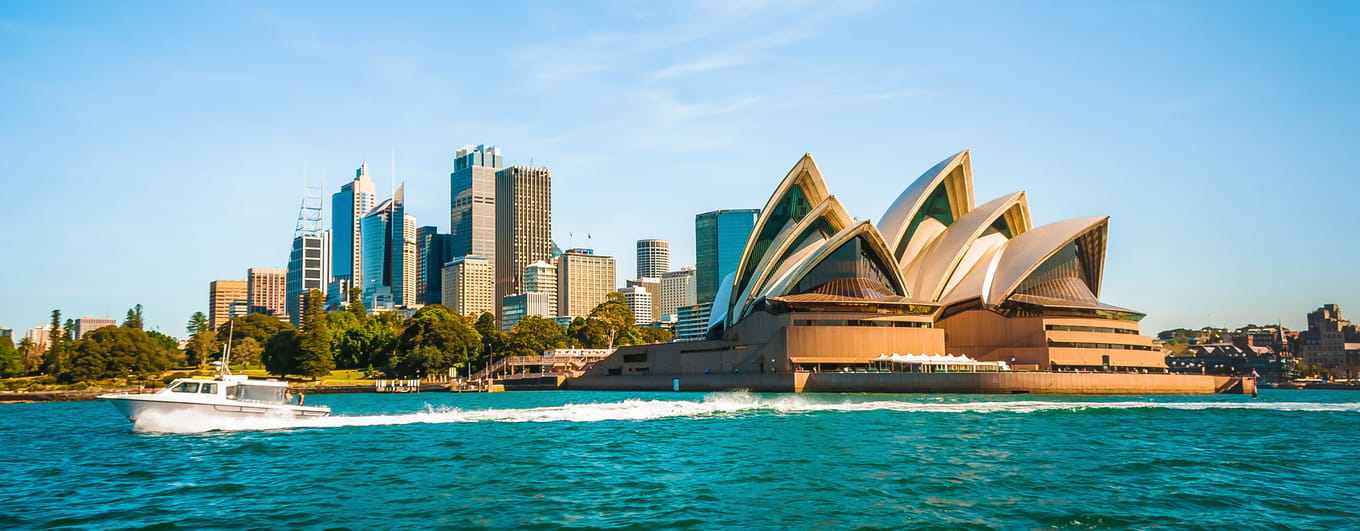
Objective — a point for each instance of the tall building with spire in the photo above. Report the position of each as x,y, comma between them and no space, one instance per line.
309,260
348,208
523,225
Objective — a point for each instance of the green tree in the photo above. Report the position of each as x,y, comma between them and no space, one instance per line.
493,340
166,341
442,338
11,364
280,351
54,358
201,348
255,325
315,358
615,314
28,352
246,352
360,342
588,333
197,323
648,334
111,352
356,303
134,317
533,334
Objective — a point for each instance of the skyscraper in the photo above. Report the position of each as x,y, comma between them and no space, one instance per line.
308,269
222,294
720,239
653,258
640,301
348,207
389,254
266,289
677,289
584,280
523,224
653,287
432,250
472,205
468,289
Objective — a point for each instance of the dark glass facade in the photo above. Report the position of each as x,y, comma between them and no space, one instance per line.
720,238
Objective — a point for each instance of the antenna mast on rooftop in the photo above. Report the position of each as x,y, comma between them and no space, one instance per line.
309,214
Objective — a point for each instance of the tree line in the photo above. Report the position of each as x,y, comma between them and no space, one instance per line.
110,352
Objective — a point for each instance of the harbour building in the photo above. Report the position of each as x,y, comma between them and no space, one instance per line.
814,290
472,203
266,290
541,277
677,289
719,239
468,289
432,250
389,255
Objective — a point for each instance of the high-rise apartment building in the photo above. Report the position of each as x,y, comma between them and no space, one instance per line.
541,277
719,241
692,321
653,287
348,208
41,336
523,224
389,254
432,252
308,269
640,301
222,295
87,324
677,289
584,280
468,289
653,258
472,205
267,290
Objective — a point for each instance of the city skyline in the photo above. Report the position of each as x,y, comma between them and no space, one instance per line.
1195,131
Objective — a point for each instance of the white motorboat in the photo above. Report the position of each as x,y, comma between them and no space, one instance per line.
225,395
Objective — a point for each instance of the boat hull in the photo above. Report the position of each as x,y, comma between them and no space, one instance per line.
135,407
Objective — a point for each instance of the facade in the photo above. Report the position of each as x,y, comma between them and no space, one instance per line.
816,290
653,258
6,332
692,321
267,290
523,224
468,289
348,208
41,336
541,277
719,240
640,301
519,306
472,203
389,255
653,287
85,325
308,269
432,250
677,289
584,280
222,296
1330,342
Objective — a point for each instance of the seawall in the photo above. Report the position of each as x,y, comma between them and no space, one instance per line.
987,383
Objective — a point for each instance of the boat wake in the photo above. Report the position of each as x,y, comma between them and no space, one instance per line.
715,405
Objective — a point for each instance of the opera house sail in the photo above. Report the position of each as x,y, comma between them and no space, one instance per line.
937,277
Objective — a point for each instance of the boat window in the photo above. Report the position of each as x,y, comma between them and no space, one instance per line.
261,393
209,389
186,387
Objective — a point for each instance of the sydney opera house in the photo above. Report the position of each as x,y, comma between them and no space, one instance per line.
818,292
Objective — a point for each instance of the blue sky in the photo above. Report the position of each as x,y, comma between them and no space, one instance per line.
150,148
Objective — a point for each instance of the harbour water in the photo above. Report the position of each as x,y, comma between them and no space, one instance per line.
688,460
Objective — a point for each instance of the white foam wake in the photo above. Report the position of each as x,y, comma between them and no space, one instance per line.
713,405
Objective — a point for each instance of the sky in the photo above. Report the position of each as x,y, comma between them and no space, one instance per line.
150,148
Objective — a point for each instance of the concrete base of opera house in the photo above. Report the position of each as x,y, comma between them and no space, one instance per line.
975,382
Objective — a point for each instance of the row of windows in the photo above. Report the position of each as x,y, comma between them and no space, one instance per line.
1075,328
1108,346
844,322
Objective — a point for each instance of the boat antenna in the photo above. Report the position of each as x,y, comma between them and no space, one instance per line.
225,370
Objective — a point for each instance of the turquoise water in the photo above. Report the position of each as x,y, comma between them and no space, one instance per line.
691,460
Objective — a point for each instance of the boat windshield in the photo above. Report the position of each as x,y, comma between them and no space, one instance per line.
261,393
185,387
